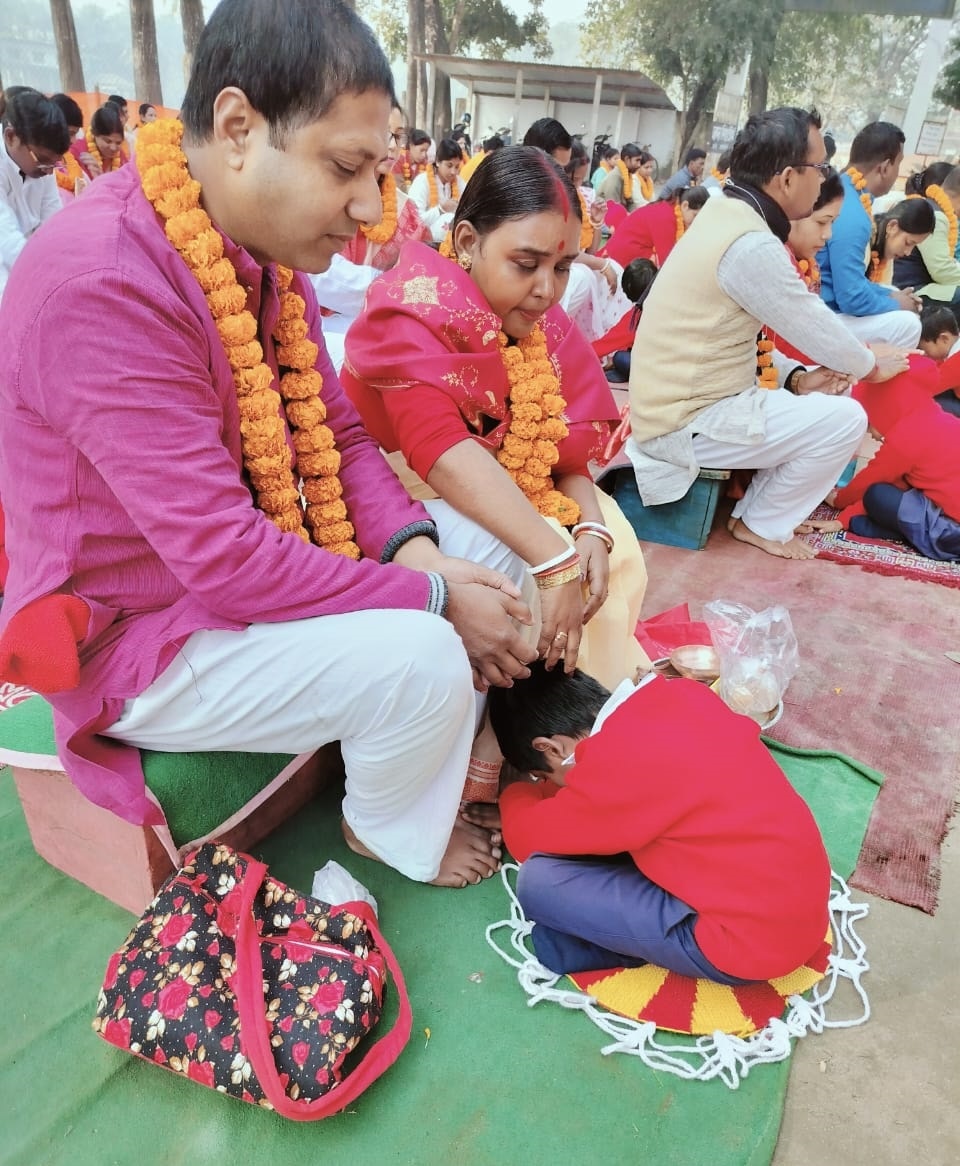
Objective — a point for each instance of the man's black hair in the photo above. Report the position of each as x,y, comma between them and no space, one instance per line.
693,154
69,108
934,320
546,704
418,137
548,134
631,150
494,143
769,142
880,141
37,121
292,59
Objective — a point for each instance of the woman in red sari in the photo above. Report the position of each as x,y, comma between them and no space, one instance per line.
466,366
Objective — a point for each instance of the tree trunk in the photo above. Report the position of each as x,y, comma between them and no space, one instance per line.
191,19
146,65
761,57
68,50
440,109
696,117
416,99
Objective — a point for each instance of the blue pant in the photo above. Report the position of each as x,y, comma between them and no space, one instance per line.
597,913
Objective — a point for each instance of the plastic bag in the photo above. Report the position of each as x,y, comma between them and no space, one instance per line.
758,656
333,883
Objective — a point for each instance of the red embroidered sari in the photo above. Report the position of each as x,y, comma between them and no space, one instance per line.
424,369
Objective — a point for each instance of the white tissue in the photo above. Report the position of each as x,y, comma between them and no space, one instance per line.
335,884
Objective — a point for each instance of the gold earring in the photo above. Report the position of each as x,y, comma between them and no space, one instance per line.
465,261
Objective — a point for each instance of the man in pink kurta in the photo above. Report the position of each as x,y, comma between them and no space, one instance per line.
122,483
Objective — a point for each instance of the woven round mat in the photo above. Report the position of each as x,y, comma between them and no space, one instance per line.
682,1004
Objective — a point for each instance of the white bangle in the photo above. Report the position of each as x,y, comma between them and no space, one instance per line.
554,562
602,537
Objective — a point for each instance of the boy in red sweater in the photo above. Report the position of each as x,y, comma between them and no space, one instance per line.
665,833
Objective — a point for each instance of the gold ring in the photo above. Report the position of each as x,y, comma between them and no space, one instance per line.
560,636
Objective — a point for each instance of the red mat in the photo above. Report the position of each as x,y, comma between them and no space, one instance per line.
873,683
885,558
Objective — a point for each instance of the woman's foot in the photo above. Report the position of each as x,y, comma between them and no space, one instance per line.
794,549
473,854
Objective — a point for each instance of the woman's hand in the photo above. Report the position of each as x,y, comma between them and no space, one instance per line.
91,165
561,611
598,212
595,565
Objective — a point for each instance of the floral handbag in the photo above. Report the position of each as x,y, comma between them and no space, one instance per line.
236,981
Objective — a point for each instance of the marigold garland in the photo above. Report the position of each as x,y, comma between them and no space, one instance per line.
810,274
94,151
455,191
938,195
627,179
68,175
860,186
587,228
529,448
646,186
767,375
681,225
175,196
384,231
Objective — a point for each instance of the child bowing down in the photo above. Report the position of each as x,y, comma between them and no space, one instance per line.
665,832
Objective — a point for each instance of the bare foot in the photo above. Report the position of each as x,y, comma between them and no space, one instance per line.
486,814
824,525
472,854
794,549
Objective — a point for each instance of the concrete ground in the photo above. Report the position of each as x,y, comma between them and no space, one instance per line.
888,1093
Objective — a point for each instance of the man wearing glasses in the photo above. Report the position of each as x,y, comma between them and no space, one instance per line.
694,395
35,138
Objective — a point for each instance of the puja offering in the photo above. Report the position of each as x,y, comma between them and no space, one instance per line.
697,662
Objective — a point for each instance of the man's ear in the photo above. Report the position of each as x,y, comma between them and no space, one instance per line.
546,745
233,119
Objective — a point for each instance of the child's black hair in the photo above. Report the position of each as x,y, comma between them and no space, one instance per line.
546,704
934,320
637,279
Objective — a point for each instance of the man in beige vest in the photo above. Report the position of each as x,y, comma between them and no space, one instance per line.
693,395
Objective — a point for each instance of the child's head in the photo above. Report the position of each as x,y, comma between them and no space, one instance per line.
538,721
637,279
938,332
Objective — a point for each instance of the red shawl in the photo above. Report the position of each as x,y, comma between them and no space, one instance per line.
423,367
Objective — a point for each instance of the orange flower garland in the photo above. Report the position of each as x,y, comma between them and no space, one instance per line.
718,176
529,448
938,195
67,177
175,196
94,151
627,179
646,186
681,225
767,375
587,228
455,191
384,231
810,274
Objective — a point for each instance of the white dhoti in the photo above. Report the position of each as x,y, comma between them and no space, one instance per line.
807,441
898,328
393,687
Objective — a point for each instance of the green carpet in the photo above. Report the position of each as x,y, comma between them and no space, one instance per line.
496,1084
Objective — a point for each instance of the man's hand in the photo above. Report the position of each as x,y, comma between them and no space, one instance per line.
907,299
822,380
483,618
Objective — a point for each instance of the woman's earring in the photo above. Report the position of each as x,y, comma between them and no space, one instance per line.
465,260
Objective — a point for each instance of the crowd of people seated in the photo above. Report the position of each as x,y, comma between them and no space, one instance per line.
337,483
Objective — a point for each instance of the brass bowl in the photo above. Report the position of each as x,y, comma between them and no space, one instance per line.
696,662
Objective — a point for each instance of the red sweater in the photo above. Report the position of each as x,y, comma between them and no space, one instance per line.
649,232
685,786
921,442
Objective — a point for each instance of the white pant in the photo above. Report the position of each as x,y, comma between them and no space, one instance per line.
394,687
807,442
899,328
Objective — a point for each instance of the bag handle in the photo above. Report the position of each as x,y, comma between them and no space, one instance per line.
247,984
